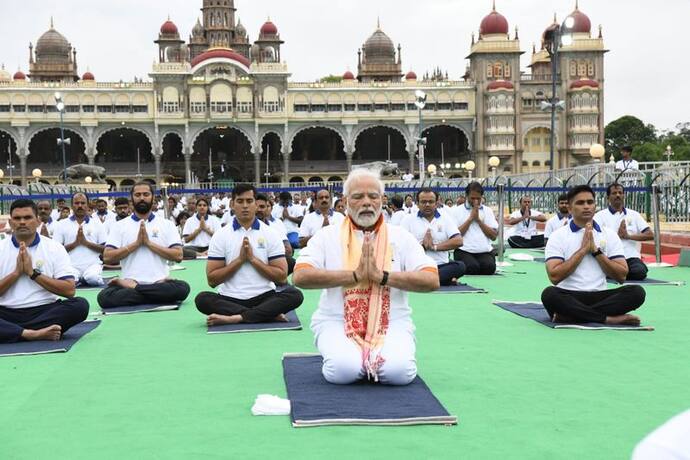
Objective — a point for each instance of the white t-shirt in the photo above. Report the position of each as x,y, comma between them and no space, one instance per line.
442,229
81,256
143,265
671,441
622,165
588,276
324,251
294,210
634,223
50,225
266,246
313,222
47,256
411,210
525,229
103,217
278,226
555,222
407,177
474,240
202,239
397,217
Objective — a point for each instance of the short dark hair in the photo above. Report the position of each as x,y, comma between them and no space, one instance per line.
24,203
573,192
397,201
181,216
408,195
262,197
563,197
142,184
101,200
242,188
204,199
121,200
427,190
627,148
337,202
474,187
612,186
284,196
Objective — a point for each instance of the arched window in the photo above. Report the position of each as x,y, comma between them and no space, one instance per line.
536,163
573,68
498,70
590,68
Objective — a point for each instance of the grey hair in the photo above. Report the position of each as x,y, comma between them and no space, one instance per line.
358,174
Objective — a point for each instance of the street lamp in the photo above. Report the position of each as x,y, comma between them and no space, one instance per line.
431,169
37,173
420,102
60,106
88,179
597,152
669,153
555,37
494,162
469,166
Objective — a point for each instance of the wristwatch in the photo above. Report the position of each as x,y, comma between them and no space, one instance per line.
384,280
597,253
35,274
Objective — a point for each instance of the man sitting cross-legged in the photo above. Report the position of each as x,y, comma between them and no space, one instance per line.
630,227
322,216
246,259
34,272
143,243
437,234
363,324
525,221
84,239
579,258
264,210
478,227
200,227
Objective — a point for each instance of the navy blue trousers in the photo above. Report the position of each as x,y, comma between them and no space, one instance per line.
65,313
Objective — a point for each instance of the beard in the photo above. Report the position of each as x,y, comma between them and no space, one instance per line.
363,218
142,207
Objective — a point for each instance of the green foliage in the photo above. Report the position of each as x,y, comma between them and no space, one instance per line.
647,144
331,79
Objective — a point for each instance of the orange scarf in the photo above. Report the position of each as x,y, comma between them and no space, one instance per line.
367,305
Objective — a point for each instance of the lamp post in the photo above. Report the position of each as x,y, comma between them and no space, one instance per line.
37,173
268,158
494,162
597,152
60,106
555,37
420,102
669,153
469,166
431,169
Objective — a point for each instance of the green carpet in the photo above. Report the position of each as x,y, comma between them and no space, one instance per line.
157,386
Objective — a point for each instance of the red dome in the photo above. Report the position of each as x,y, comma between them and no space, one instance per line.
348,76
585,82
88,76
581,23
269,28
494,23
411,75
169,28
221,53
499,84
19,75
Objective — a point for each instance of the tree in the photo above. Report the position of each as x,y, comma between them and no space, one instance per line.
331,79
628,130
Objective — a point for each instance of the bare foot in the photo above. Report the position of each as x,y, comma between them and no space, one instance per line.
454,281
47,333
562,319
123,283
626,320
217,320
281,319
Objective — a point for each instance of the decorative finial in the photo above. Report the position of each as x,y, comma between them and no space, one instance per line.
378,22
601,35
168,16
473,38
494,5
534,48
516,33
577,5
51,22
555,18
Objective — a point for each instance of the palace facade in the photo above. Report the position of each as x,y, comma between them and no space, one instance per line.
220,104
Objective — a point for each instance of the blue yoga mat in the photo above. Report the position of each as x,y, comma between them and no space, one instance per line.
292,325
63,345
535,311
315,402
648,282
144,308
460,288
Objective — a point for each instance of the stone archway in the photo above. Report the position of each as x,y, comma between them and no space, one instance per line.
446,144
380,143
9,160
172,157
271,166
45,153
125,151
226,152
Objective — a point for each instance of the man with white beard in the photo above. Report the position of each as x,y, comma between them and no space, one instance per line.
363,324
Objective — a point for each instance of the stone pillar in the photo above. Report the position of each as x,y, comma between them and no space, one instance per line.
257,167
349,153
157,159
21,153
286,168
188,167
412,152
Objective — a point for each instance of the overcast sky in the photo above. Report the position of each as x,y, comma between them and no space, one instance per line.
646,68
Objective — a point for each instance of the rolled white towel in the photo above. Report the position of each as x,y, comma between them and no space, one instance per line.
270,405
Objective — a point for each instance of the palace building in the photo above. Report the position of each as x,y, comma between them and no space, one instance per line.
219,103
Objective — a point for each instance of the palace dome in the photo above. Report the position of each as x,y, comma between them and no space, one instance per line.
581,22
269,28
53,46
348,76
169,28
88,76
494,23
411,75
19,75
220,53
379,48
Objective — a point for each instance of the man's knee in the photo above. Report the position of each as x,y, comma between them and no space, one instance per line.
487,265
292,296
180,289
637,270
78,308
549,297
637,295
204,302
398,371
106,297
343,369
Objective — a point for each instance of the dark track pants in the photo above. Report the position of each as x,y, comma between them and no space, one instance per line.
170,291
65,313
592,306
476,264
446,272
518,242
637,270
260,309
